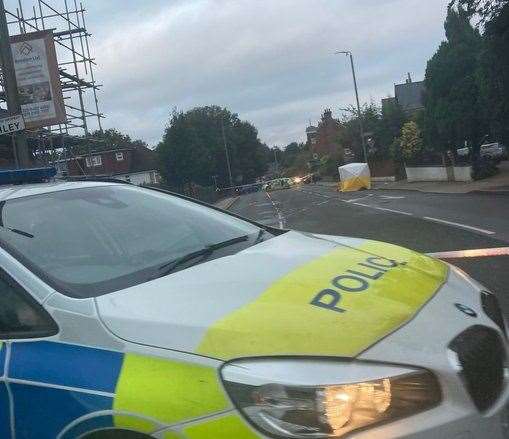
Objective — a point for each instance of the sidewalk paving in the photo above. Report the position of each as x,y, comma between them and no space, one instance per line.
498,184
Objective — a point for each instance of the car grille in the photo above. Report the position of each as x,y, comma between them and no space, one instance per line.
482,356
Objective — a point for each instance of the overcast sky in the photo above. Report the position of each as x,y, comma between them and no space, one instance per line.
270,61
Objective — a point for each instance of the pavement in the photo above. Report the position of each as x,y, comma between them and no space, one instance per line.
426,222
498,183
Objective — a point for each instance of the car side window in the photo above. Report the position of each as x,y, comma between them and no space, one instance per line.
21,316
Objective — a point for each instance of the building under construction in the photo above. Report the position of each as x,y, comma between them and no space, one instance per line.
52,140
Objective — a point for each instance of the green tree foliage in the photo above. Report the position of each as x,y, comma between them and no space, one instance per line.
487,10
411,142
392,120
290,155
106,140
494,74
381,126
192,149
452,97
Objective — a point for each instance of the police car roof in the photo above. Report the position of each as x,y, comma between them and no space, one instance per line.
10,192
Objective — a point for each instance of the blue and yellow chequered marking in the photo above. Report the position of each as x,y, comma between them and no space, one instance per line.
5,425
2,358
81,380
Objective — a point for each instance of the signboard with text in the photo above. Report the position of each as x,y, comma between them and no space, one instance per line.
12,124
38,78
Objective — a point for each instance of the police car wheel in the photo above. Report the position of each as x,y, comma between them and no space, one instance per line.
115,434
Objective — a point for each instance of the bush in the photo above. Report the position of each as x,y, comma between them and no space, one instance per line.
411,142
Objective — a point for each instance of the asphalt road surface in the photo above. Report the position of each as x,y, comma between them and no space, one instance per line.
428,223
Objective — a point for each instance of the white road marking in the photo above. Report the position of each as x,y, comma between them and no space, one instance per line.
394,211
354,201
473,253
360,204
280,217
323,202
462,226
390,197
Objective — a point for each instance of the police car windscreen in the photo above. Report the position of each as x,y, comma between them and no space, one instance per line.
90,241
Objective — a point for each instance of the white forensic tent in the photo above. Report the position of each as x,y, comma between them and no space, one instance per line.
354,176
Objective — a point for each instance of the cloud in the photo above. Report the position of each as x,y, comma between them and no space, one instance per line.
271,62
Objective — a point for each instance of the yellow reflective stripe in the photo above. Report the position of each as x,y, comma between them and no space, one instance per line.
168,391
228,427
282,321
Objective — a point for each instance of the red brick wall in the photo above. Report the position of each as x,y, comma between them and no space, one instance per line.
109,165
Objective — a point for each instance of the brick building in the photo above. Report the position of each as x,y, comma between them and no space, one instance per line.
135,164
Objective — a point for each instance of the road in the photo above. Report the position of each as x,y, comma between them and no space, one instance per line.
424,222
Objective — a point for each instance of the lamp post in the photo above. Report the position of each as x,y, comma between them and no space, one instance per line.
276,164
359,113
227,154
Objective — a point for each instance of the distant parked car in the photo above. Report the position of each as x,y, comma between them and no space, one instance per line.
279,183
496,151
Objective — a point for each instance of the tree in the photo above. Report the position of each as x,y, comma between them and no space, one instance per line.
114,139
392,120
487,10
494,74
192,149
452,99
411,142
290,154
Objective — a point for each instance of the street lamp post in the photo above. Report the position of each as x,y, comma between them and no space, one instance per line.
276,164
359,113
227,154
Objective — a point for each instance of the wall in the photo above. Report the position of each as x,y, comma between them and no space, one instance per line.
110,165
426,173
463,173
140,178
439,173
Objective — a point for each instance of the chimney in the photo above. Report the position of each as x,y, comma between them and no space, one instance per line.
409,79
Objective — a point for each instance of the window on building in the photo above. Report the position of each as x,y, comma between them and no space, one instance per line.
119,156
95,160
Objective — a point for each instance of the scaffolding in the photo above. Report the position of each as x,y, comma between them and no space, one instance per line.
76,67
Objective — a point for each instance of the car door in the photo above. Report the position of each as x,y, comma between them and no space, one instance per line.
22,319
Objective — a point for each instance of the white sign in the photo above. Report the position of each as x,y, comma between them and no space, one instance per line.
12,124
38,78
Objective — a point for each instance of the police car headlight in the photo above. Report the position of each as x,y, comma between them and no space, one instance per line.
326,398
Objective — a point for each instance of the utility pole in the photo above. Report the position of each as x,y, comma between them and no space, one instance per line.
11,89
227,153
359,112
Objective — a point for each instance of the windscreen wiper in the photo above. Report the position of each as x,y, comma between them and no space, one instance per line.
202,253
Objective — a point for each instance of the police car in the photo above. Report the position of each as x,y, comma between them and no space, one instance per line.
133,313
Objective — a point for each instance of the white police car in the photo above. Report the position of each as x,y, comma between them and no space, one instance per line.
132,313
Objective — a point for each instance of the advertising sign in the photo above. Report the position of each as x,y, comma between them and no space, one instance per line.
11,124
38,78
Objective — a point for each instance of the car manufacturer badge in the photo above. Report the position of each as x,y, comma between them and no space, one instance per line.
465,310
